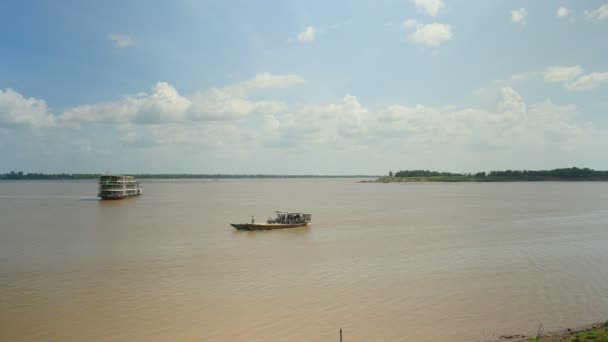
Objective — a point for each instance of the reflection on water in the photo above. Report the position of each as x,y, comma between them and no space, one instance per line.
421,262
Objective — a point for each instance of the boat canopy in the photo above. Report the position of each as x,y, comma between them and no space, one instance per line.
284,217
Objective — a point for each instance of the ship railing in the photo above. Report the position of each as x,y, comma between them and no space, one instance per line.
116,179
111,186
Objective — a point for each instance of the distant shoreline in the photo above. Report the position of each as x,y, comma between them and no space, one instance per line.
481,180
565,174
84,176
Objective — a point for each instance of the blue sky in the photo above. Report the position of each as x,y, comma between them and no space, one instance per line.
310,87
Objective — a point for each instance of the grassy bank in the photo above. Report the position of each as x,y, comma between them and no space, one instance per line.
595,332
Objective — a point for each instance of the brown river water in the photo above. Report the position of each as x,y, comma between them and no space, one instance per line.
384,262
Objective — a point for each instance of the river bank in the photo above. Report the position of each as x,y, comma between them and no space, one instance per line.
485,179
565,174
590,332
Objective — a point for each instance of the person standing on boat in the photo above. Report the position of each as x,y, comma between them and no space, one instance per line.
252,220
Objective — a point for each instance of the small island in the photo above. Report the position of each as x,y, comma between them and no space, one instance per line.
565,174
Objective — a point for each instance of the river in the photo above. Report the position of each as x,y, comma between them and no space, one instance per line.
384,262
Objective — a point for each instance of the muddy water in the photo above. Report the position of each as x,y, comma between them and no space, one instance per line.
384,262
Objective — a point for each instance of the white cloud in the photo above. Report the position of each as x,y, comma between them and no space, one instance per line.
349,124
219,104
561,74
308,35
410,23
430,7
165,104
588,82
18,111
519,16
120,40
512,101
562,12
431,34
513,79
515,125
572,78
219,123
263,81
600,13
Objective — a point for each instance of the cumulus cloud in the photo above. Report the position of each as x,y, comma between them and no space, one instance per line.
19,111
512,101
120,40
263,81
430,7
349,123
513,79
410,23
308,35
601,13
432,35
519,16
232,102
515,124
588,82
164,104
562,74
562,12
219,104
572,78
219,123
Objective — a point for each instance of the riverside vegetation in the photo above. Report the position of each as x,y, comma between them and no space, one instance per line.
77,176
591,333
565,174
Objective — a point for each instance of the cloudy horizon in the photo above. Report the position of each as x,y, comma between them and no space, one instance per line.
292,88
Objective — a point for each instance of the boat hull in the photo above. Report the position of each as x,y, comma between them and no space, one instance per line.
266,226
116,197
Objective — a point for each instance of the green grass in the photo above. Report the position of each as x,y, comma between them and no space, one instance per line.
596,335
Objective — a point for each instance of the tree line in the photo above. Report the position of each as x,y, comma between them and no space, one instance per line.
75,176
42,176
572,173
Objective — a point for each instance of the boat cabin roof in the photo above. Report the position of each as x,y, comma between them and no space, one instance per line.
106,177
290,213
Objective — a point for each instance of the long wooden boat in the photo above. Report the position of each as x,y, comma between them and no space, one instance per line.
266,226
282,221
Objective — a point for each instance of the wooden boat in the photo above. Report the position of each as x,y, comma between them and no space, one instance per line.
266,226
282,221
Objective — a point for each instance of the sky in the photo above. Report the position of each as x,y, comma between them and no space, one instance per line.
302,87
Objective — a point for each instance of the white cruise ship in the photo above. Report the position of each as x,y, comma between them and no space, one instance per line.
118,187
